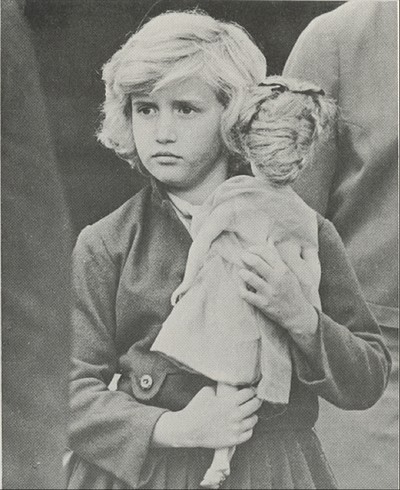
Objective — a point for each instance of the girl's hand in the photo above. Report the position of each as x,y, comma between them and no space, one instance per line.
209,421
276,291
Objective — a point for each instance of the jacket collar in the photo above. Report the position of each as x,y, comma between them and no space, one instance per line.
160,199
159,194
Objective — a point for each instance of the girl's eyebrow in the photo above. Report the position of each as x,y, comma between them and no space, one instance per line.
142,101
189,100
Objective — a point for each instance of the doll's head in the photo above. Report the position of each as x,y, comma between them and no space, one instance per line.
168,49
280,123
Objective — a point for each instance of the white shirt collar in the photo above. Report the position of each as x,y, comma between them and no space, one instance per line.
184,209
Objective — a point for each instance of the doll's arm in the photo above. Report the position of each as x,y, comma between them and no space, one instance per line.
216,223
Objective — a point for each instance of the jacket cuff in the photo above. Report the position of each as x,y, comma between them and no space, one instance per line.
132,469
310,361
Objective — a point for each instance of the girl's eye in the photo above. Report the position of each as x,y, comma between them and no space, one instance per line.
146,110
187,110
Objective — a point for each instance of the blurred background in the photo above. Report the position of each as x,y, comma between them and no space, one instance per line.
74,38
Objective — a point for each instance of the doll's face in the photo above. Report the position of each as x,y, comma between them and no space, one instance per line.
177,133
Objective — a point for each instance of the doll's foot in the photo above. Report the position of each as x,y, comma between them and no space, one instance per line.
214,478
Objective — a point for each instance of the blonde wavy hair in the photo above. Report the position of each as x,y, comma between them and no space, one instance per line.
172,47
269,124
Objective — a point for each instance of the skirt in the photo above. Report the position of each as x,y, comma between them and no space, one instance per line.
269,460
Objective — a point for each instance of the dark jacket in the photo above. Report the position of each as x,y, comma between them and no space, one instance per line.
126,267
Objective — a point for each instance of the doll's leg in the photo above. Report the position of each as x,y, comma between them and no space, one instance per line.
220,466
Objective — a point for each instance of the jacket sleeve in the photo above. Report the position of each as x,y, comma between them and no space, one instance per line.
315,58
107,428
348,363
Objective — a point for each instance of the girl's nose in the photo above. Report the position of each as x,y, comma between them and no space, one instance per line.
166,130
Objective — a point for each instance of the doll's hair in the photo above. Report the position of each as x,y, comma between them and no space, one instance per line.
170,48
279,125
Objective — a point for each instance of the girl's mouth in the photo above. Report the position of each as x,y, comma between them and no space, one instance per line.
165,154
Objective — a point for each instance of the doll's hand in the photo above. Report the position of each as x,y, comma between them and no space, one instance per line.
276,291
209,421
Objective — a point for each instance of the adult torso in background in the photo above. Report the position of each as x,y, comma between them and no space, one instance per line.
352,53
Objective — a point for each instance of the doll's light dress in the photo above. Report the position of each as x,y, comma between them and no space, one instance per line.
212,330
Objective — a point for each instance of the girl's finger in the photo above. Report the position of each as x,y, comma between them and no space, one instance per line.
247,409
252,280
258,264
246,436
248,423
244,395
253,298
269,254
265,252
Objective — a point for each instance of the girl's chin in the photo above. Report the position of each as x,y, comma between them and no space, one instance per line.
171,184
171,177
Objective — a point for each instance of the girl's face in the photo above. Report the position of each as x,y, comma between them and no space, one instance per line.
177,133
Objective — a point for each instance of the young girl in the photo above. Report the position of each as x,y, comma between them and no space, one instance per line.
174,94
213,330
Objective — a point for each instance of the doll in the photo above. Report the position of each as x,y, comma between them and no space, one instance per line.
211,329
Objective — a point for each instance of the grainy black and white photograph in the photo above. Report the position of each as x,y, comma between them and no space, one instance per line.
199,247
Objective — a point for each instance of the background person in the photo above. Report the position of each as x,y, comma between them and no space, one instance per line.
36,249
352,53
